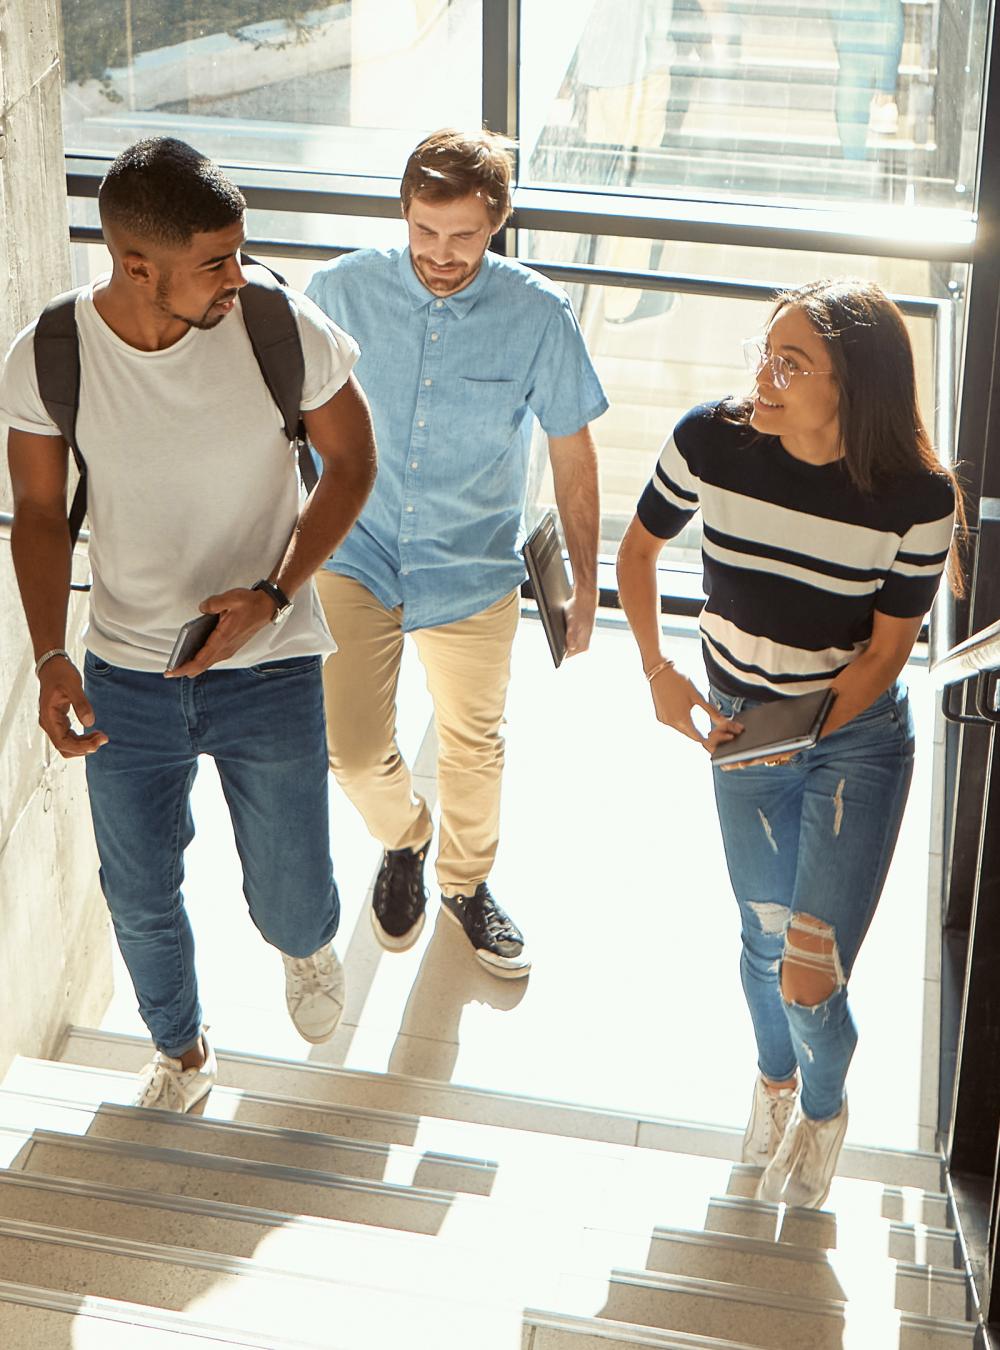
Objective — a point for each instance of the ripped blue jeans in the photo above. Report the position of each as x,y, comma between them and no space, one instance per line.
808,845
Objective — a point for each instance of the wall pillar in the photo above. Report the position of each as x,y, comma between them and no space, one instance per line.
55,957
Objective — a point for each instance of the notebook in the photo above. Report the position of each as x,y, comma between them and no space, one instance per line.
550,582
777,728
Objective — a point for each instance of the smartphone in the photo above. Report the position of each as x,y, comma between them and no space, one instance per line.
191,639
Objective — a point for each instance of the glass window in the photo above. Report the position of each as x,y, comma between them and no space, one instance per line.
813,101
347,87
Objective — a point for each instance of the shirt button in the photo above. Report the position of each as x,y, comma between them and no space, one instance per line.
421,423
434,337
406,571
438,304
409,508
428,383
414,464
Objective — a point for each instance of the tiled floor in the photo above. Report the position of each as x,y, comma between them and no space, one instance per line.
611,861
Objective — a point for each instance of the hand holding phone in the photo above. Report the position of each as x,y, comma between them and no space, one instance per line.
190,640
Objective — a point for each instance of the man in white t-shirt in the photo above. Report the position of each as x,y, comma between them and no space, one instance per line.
193,506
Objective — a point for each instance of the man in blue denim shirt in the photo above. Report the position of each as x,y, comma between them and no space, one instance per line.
459,349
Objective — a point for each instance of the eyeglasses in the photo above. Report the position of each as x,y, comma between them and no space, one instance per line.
757,356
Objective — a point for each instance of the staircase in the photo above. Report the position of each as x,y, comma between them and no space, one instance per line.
318,1208
750,108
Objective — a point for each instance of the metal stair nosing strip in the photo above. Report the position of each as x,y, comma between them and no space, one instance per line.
749,1205
406,1241
247,1166
216,1263
138,1314
273,1133
209,1208
805,1304
742,1245
899,1167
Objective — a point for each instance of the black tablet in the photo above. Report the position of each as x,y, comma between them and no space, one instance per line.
550,582
778,728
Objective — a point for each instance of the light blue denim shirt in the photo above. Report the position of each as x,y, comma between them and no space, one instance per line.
453,384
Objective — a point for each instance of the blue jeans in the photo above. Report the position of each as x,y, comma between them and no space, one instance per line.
814,838
264,728
868,35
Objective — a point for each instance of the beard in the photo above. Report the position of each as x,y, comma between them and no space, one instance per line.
204,321
444,285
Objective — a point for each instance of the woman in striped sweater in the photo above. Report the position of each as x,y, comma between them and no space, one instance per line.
827,521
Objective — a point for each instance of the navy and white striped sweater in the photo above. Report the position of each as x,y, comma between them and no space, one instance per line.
796,558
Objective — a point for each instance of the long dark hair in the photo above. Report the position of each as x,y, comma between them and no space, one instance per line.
882,433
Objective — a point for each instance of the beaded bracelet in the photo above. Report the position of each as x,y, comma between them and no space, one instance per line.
665,664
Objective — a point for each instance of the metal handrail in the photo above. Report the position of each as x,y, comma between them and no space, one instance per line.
977,655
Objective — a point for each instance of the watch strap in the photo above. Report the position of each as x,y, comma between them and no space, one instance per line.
281,600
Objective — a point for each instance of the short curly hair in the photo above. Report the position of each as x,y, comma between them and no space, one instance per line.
164,191
451,163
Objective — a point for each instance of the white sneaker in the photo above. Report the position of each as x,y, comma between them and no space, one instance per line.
768,1120
166,1085
801,1171
884,119
314,992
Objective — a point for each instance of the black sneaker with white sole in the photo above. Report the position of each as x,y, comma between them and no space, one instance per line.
496,940
399,898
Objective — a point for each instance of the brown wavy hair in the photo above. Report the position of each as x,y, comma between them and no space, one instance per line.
450,164
882,432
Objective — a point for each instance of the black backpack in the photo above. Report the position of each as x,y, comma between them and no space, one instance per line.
270,324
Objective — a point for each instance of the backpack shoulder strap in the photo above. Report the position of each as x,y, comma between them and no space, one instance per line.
57,369
274,337
57,363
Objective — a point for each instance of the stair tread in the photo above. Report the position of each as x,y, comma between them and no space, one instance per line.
468,1153
254,1295
522,1112
42,1318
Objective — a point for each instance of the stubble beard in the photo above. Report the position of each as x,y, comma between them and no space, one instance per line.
204,322
449,285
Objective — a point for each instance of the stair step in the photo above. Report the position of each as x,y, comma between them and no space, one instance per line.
547,1330
845,1273
626,1188
759,1317
287,1147
823,1229
238,1181
249,1295
393,1092
246,1296
32,1318
562,1331
299,1244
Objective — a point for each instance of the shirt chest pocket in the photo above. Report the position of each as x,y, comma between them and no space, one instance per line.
489,406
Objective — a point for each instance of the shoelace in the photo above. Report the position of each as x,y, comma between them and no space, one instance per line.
492,921
778,1111
310,974
399,870
803,1155
163,1085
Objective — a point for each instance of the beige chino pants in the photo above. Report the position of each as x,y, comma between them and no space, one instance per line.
468,669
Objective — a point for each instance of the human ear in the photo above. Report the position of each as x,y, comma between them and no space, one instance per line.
138,268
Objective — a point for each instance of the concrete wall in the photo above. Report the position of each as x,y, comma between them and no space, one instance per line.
54,951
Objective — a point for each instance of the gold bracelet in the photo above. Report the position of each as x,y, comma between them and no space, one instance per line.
665,664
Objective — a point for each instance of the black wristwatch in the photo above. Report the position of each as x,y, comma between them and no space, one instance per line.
282,604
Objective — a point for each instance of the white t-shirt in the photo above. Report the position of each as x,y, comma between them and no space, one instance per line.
192,487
